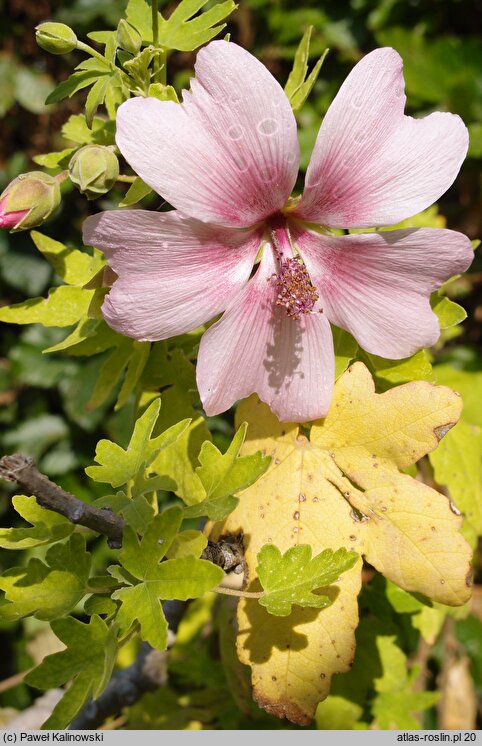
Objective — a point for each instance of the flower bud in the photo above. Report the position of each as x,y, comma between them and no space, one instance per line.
128,37
56,38
94,170
29,200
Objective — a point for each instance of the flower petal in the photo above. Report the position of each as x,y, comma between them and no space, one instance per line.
377,285
175,273
256,347
373,166
229,153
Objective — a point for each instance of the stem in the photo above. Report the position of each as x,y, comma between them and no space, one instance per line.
155,40
240,594
13,681
93,53
227,554
22,469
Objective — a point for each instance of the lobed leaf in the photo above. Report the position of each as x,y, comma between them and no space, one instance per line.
47,589
88,659
74,267
342,488
183,578
63,307
47,527
221,475
289,579
119,466
181,30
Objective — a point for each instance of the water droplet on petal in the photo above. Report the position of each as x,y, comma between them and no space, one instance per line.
235,99
165,245
268,126
235,132
267,175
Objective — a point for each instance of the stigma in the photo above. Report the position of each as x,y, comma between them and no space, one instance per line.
294,290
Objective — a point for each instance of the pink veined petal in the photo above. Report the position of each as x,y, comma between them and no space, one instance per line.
175,273
371,165
256,347
229,153
377,285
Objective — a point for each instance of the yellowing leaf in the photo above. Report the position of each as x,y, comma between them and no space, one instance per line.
342,488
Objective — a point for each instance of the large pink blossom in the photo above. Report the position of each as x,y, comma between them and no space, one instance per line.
227,160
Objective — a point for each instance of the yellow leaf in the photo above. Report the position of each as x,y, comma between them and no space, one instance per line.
341,487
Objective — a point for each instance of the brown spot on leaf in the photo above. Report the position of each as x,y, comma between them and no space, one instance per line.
296,515
442,430
282,709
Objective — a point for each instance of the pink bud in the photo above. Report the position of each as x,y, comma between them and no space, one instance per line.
10,219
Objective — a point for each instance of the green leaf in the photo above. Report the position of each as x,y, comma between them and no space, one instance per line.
222,475
139,15
395,702
135,367
187,543
181,30
417,367
137,512
111,371
74,83
457,464
182,578
163,92
54,160
175,375
215,510
137,191
298,87
63,307
119,466
47,589
289,579
95,98
448,313
47,526
73,266
88,660
345,349
468,384
77,130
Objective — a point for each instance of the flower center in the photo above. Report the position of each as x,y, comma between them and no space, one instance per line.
295,291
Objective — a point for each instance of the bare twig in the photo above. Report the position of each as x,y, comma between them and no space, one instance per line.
147,673
22,469
227,553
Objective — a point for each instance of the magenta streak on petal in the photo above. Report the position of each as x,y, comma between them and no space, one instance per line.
256,347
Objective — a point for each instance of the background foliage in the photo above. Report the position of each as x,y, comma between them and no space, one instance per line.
56,407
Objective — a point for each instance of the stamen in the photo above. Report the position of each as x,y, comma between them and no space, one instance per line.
296,292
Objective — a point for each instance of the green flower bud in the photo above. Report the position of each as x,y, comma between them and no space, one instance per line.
29,200
94,170
56,38
128,37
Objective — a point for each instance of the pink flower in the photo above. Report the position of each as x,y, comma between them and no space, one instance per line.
227,160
